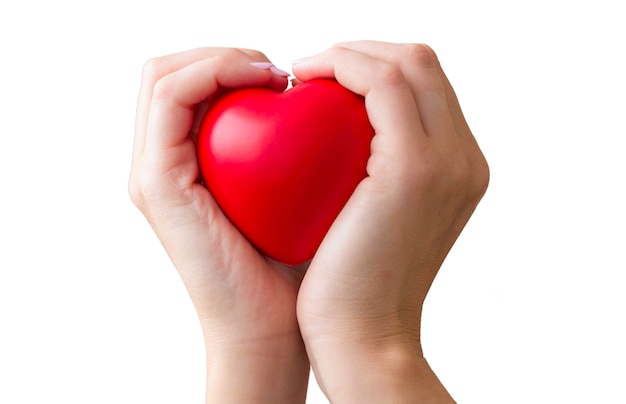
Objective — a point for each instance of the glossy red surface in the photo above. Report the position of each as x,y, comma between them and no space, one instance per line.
282,165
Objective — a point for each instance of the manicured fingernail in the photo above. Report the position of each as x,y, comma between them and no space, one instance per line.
279,72
262,65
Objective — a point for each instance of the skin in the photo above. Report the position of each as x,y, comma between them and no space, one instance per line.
360,303
354,313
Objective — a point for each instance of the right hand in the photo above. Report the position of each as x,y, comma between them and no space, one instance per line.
360,303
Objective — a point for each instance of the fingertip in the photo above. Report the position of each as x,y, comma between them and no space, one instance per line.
278,79
341,64
295,82
311,67
278,83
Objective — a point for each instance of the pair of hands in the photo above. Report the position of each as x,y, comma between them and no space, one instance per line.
353,313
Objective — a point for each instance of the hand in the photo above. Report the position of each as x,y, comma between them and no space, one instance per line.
245,302
360,303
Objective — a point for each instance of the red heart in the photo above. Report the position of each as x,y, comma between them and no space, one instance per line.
281,165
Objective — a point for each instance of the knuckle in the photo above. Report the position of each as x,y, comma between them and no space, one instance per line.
144,193
337,51
164,87
390,74
339,45
231,54
152,70
470,175
135,193
253,53
141,185
224,61
420,55
483,175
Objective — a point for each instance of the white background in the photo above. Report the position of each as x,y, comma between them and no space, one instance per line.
528,308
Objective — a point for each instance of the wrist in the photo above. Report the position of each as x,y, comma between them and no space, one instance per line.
389,372
256,372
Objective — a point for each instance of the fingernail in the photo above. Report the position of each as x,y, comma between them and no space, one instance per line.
261,65
279,72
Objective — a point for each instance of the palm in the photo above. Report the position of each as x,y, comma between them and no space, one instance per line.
245,285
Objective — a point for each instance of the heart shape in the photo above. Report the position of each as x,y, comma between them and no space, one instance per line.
281,165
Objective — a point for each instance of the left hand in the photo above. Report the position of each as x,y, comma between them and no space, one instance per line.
246,303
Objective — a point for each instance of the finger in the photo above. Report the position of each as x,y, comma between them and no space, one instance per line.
389,100
176,94
158,67
278,81
458,117
420,66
